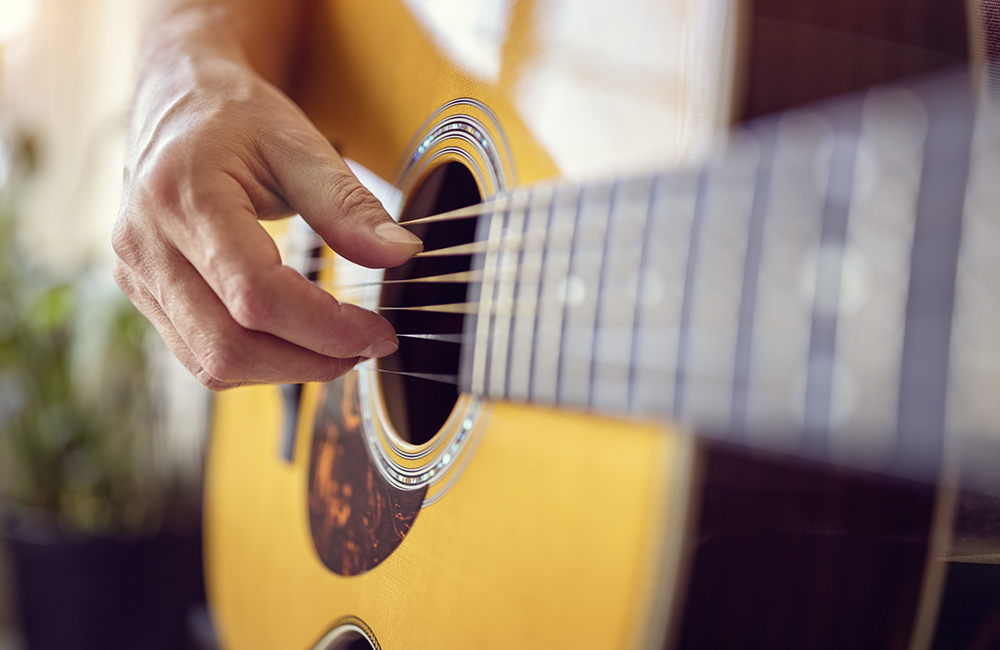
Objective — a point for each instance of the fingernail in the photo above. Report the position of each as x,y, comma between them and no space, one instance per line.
395,234
380,349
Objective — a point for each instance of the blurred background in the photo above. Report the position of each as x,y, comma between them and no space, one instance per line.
99,483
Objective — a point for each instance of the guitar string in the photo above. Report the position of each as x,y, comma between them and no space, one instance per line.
529,240
430,376
358,293
445,308
453,215
462,250
507,202
468,338
354,291
459,339
461,277
468,212
598,364
357,290
460,213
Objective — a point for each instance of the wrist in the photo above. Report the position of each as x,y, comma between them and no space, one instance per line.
259,34
177,37
187,52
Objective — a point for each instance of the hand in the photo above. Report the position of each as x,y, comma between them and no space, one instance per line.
214,148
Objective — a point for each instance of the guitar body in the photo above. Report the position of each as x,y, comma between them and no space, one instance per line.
566,553
527,525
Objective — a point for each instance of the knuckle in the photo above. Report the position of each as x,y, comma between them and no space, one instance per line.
210,382
354,199
334,369
221,366
249,302
124,242
159,184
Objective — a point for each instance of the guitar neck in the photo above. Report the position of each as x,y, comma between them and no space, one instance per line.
797,293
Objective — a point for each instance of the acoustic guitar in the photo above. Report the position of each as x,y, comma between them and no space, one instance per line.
661,383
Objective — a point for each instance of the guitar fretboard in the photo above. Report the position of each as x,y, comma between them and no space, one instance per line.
823,288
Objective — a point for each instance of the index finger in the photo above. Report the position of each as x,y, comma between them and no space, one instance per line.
221,237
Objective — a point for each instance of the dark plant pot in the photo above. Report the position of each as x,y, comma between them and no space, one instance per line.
105,593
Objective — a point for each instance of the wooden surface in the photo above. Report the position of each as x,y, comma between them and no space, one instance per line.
557,520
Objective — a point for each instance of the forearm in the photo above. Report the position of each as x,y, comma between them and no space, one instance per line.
258,33
198,57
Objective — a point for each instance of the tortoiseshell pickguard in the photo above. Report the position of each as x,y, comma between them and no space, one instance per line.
356,517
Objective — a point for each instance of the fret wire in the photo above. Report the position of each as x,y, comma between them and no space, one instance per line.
538,292
688,295
639,288
484,326
752,264
544,279
833,221
601,272
620,266
526,303
500,358
565,303
545,371
669,229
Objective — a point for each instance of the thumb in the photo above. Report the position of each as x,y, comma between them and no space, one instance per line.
318,184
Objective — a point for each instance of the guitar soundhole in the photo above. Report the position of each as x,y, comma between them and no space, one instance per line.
360,643
357,642
419,407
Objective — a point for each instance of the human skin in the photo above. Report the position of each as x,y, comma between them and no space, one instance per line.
214,147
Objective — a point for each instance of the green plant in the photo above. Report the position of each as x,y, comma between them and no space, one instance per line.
75,412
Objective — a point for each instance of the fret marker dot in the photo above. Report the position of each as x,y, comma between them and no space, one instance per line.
573,291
